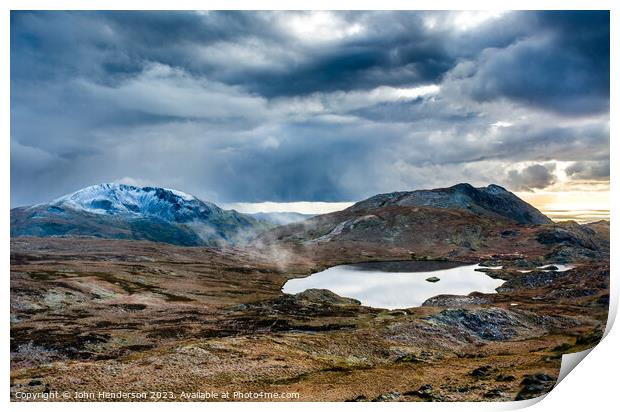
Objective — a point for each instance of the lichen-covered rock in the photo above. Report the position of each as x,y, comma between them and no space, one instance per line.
492,324
326,296
535,385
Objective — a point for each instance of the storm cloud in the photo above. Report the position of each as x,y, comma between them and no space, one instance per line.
307,106
535,176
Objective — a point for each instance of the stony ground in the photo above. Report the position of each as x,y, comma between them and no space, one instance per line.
108,315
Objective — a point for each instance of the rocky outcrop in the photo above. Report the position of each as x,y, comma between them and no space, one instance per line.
490,324
325,296
571,235
533,386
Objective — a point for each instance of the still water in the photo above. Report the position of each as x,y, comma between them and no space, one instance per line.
397,285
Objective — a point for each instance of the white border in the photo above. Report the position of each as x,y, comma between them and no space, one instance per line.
592,386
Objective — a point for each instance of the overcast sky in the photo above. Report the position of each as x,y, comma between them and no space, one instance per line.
317,106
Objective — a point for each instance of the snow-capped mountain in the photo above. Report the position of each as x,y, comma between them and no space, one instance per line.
118,199
112,210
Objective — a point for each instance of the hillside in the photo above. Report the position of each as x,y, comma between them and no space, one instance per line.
454,222
128,212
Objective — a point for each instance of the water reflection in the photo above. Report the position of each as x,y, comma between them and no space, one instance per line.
396,285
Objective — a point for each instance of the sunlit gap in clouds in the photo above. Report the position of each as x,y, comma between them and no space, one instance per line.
307,208
580,206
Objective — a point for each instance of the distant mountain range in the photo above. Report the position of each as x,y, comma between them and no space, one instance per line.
165,215
281,218
144,213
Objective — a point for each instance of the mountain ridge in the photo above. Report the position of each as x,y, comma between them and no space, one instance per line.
460,213
130,212
492,201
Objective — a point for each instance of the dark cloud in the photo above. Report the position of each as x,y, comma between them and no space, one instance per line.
593,170
391,49
563,66
536,176
257,106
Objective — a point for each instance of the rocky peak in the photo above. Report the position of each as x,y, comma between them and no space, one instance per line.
491,201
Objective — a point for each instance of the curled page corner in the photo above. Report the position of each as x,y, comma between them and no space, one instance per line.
525,403
569,361
612,311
